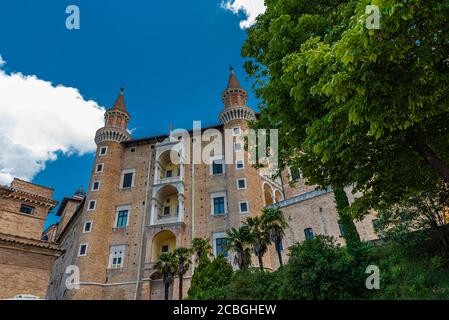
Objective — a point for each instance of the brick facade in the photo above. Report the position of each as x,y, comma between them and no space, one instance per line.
25,260
167,205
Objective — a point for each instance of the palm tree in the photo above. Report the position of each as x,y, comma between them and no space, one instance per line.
201,247
182,256
274,223
259,238
166,266
237,240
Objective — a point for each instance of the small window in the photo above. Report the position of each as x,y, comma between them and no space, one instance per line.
96,186
239,164
92,205
376,225
82,250
122,219
296,174
342,228
87,226
127,180
220,247
308,233
236,131
169,174
217,167
238,146
241,184
133,149
99,168
164,248
116,257
219,205
103,151
27,209
244,207
166,210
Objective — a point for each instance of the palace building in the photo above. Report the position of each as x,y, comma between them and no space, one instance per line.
140,204
26,258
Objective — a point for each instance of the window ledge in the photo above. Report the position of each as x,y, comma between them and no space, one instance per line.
114,229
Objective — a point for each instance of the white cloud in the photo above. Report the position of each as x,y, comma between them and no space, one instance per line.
251,8
38,120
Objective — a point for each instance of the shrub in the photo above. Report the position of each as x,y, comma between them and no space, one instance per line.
209,279
319,269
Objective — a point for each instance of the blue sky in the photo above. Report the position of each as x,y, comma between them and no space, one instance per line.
169,55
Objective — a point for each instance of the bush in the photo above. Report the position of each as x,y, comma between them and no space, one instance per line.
209,279
319,269
254,284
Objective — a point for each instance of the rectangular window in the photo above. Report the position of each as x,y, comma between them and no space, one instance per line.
92,205
169,174
82,250
376,225
308,233
122,219
164,248
236,131
103,151
237,146
295,174
219,205
116,257
95,186
87,226
127,179
244,207
239,164
99,168
27,209
220,247
217,167
166,210
342,228
241,184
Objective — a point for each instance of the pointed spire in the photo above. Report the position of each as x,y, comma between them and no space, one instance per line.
120,102
233,82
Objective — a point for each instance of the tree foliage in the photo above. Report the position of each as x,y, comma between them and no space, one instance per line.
319,269
209,277
359,107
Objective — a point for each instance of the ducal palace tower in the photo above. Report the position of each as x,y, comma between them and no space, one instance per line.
140,204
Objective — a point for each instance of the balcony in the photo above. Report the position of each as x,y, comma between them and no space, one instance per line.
169,165
167,204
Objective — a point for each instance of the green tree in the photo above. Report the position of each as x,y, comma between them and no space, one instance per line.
356,107
318,269
210,278
275,224
167,267
182,257
259,238
202,248
420,212
238,240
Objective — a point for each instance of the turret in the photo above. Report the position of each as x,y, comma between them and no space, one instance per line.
116,122
234,100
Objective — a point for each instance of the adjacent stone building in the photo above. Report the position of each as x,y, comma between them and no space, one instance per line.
141,202
26,261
